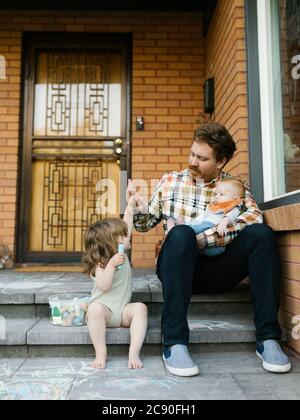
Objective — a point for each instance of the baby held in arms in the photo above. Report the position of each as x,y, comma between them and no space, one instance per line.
222,212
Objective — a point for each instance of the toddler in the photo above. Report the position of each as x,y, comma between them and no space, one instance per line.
110,305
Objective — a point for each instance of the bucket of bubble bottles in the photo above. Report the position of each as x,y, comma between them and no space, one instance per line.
68,310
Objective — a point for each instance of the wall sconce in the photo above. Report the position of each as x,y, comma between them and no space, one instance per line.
209,96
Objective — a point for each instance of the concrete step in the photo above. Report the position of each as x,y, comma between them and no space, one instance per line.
25,295
39,337
203,329
215,320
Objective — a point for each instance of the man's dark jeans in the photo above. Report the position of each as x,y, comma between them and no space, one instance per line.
183,271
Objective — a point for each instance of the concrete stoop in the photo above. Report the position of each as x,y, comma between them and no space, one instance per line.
215,320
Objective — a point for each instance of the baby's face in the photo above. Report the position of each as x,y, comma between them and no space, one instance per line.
225,192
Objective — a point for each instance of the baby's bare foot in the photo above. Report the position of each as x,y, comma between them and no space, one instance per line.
99,362
170,224
180,221
134,361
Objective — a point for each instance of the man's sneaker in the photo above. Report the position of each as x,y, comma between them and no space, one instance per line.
274,360
178,361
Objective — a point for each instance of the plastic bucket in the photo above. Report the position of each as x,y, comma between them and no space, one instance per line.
68,310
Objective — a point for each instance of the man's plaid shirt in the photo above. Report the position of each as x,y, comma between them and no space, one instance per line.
177,195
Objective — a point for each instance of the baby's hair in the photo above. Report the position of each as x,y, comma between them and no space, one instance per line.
238,184
101,243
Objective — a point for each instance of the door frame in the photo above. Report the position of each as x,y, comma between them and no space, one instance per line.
31,43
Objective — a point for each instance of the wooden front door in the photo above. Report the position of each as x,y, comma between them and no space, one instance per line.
75,142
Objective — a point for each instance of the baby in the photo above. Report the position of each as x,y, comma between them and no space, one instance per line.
221,212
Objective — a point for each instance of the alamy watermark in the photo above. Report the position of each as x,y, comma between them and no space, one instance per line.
2,68
296,329
2,328
109,190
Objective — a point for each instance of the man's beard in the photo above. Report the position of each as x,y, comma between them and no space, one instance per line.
195,172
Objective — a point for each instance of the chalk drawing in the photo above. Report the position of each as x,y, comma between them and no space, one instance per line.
125,384
5,370
212,325
19,285
25,389
140,283
60,371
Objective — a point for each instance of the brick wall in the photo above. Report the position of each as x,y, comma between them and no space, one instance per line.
9,131
289,243
226,62
285,221
168,75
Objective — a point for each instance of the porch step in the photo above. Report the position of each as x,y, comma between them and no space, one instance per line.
215,320
25,295
34,334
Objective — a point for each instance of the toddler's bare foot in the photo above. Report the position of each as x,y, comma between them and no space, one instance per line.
134,361
99,362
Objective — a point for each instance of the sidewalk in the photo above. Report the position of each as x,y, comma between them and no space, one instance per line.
223,376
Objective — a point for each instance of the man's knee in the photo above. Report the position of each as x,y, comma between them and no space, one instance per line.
260,232
181,238
182,233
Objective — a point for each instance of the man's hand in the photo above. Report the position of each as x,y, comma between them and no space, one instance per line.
142,205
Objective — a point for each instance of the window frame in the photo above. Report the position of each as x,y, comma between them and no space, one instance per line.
266,172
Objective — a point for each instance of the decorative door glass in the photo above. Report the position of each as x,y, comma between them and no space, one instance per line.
78,114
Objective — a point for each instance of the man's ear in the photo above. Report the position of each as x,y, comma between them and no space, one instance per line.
222,163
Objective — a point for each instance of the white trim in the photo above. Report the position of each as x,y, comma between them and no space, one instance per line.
271,100
283,196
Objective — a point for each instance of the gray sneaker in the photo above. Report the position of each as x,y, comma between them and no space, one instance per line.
274,360
178,361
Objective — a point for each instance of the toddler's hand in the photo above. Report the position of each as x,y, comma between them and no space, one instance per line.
132,203
131,191
117,260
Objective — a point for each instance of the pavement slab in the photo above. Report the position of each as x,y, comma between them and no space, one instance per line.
223,376
137,387
269,386
40,368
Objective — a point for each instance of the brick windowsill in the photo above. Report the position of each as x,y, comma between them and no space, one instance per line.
286,218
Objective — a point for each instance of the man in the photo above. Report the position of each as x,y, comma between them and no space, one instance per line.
250,250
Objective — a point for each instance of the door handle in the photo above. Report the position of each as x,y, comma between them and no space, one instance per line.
119,142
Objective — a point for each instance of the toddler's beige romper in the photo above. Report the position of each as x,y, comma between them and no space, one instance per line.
118,296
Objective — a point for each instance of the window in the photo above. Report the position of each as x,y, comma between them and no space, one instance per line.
289,11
